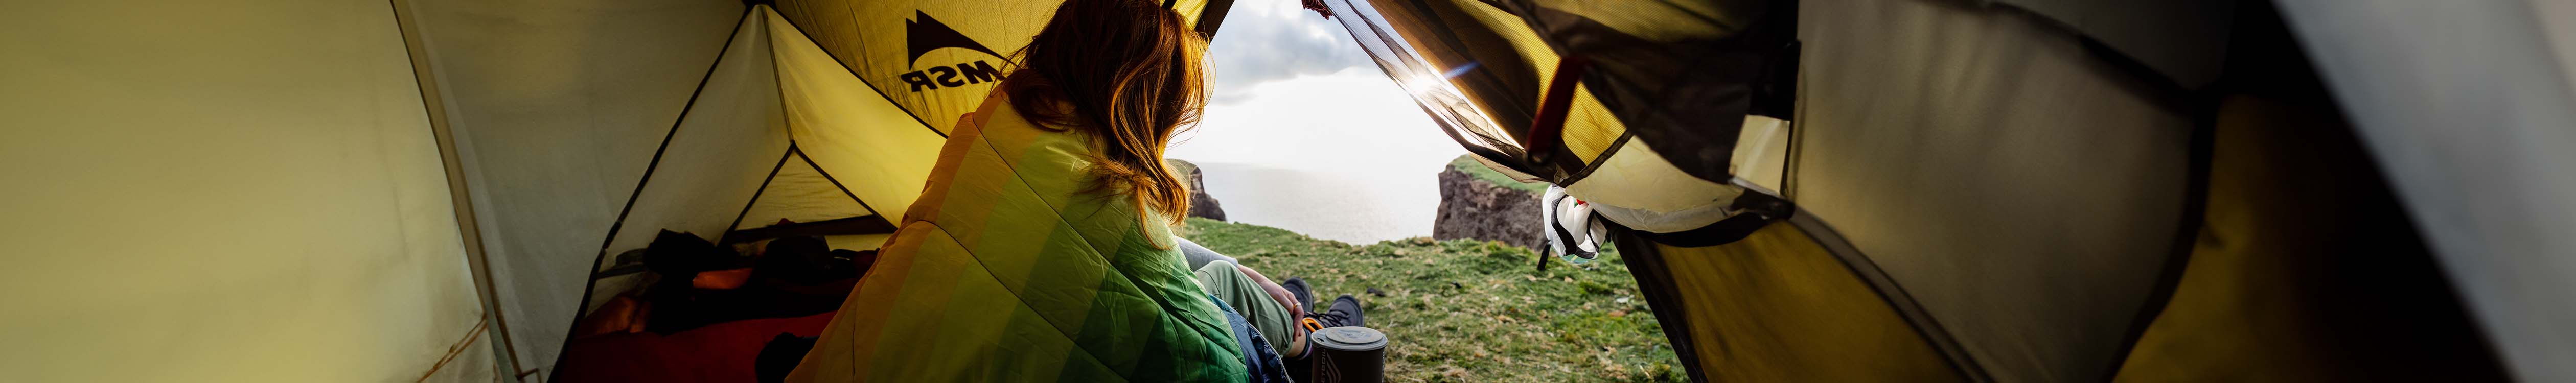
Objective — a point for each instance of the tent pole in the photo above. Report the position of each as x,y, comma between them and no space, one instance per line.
468,229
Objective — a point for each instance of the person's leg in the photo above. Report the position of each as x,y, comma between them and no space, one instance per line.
1199,256
1248,298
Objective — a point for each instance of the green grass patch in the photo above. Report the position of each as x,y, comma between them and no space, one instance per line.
1467,163
1471,311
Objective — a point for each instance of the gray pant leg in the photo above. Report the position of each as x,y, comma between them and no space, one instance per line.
1199,256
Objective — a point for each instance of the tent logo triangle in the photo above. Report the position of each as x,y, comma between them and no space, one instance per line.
924,34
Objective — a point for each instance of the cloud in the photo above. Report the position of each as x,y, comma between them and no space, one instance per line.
1343,156
1271,40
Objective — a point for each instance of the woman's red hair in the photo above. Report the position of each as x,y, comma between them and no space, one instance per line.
1129,73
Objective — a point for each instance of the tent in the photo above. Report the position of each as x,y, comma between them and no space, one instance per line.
2008,190
331,191
825,113
2035,190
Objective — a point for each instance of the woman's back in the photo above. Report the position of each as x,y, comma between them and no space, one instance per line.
1009,269
1039,250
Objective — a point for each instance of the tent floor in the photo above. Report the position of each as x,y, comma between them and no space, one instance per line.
722,352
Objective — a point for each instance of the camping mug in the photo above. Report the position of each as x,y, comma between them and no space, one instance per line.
1349,355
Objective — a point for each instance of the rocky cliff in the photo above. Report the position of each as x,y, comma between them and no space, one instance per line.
1201,204
1478,203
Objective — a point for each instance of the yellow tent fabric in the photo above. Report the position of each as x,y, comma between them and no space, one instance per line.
934,58
1777,306
225,191
2306,271
798,192
871,145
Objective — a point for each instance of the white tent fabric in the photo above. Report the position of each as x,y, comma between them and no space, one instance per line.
557,107
225,191
2468,109
799,193
766,90
729,138
560,108
774,90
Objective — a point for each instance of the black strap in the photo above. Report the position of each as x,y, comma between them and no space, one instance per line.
1757,210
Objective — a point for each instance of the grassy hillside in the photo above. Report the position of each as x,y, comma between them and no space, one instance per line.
1467,163
1471,311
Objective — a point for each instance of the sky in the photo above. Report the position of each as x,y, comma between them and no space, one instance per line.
1306,134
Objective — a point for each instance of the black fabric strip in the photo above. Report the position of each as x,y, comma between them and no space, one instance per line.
460,195
1663,296
764,189
1893,294
582,310
1722,232
836,182
1754,210
845,66
1490,76
2201,105
1505,156
1603,158
2204,135
1211,16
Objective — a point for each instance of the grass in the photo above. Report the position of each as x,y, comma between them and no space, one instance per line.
1471,311
1467,163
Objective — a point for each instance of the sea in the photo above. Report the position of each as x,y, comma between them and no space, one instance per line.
1345,157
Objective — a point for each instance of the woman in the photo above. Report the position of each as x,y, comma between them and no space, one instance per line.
1041,247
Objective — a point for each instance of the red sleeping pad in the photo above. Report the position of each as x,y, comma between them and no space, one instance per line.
721,352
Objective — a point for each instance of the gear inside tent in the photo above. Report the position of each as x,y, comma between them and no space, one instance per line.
730,122
1816,190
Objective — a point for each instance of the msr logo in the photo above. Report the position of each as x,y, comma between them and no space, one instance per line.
924,34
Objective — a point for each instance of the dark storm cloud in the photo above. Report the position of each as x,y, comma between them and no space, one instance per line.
1272,40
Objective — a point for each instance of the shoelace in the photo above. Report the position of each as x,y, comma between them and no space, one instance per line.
1312,325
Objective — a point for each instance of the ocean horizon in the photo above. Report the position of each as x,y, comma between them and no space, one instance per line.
1359,206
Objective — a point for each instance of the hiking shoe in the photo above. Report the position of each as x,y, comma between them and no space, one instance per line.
1305,295
1345,311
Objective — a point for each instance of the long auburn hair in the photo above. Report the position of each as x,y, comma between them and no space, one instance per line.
1127,72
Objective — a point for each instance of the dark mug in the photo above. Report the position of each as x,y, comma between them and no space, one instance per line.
1349,355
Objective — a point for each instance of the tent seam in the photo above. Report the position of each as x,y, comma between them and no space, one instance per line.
845,66
836,182
457,348
1925,325
756,193
589,283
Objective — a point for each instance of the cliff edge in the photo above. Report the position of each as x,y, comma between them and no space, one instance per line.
1478,203
1202,205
